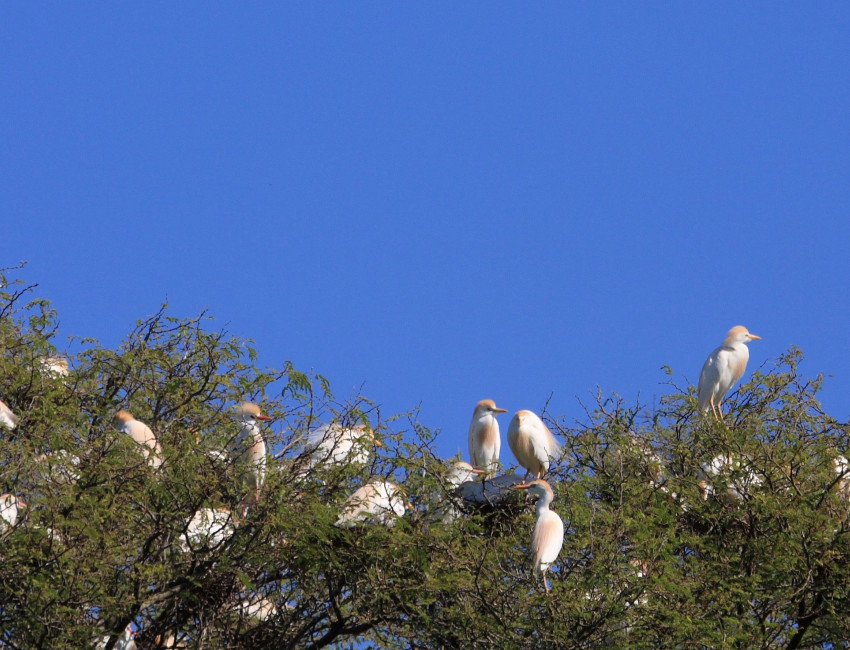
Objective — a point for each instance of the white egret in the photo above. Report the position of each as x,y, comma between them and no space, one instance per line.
484,438
376,502
248,451
460,473
141,434
208,528
532,443
335,444
548,536
7,417
740,479
9,505
841,468
55,366
723,368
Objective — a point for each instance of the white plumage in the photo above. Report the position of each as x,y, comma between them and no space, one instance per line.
7,417
208,528
141,434
335,444
532,443
740,479
484,439
723,368
8,511
55,366
447,510
248,451
376,502
548,536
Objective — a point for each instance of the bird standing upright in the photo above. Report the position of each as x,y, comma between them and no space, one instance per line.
531,442
484,439
248,451
548,536
723,368
141,434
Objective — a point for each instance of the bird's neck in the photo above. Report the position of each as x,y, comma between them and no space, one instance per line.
543,506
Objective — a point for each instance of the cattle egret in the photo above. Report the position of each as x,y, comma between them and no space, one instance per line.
256,608
7,418
8,511
740,480
841,467
548,536
334,444
376,502
125,642
55,366
484,439
141,434
531,442
57,468
723,368
248,450
208,528
460,473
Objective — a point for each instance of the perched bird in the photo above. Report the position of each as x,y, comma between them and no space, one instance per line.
125,642
740,480
208,528
7,418
841,468
723,368
141,434
335,444
462,472
484,439
376,502
447,510
55,366
248,451
256,608
8,511
532,443
57,468
548,536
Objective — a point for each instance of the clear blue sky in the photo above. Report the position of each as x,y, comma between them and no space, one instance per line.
441,201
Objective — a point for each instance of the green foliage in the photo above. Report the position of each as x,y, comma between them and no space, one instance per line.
660,551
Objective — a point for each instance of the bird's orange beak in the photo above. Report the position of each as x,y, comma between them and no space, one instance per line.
475,470
500,410
755,336
264,418
523,486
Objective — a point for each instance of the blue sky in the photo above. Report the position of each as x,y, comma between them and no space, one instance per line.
446,201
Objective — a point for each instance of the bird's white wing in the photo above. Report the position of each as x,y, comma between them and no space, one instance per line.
709,378
547,539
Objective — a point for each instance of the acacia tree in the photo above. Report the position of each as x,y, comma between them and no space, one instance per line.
660,550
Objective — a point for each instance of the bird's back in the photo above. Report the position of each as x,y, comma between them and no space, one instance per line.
709,378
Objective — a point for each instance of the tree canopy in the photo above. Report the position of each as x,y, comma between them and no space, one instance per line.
680,531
